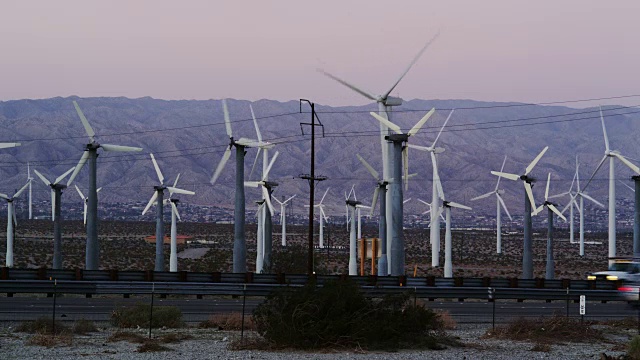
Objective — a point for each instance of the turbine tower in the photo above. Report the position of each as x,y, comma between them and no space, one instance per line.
353,261
283,217
385,103
30,179
434,224
239,240
446,206
611,155
11,220
56,215
91,154
499,202
158,199
175,217
529,204
551,208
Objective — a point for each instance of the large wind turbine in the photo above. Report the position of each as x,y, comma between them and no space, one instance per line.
351,212
158,198
85,200
91,154
529,205
611,155
283,217
551,209
447,205
434,233
56,215
239,240
399,153
11,220
499,202
385,103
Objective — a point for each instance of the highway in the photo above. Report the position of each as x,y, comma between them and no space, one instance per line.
69,308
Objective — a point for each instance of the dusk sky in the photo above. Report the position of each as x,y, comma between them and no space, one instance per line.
491,50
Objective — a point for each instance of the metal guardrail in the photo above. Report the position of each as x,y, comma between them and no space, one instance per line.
261,290
295,279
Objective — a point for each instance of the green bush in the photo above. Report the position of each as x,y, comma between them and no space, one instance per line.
633,352
337,314
138,315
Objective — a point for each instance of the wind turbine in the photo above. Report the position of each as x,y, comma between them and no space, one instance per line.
323,217
85,200
158,198
353,262
175,216
499,202
434,233
385,103
260,237
573,195
447,205
428,211
266,187
283,217
11,220
56,216
529,204
91,154
611,155
399,153
239,240
551,209
30,179
636,210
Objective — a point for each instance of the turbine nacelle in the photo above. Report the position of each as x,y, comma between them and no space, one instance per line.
390,101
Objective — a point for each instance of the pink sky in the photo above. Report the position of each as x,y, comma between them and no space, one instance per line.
488,50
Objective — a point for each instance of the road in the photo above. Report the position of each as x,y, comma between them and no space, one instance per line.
196,310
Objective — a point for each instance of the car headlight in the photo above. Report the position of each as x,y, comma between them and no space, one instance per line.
591,277
612,277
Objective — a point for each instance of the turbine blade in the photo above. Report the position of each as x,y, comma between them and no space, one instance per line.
415,59
459,206
535,161
158,172
53,205
44,179
4,196
153,200
501,170
22,189
8,145
254,184
175,183
79,192
120,148
286,201
174,190
527,188
625,184
85,123
265,195
592,199
255,161
537,210
628,163
421,123
387,123
15,219
98,189
437,176
325,194
594,173
406,200
83,160
352,87
371,170
506,175
220,167
426,203
376,193
504,206
483,196
85,213
442,128
227,121
567,206
59,178
559,195
418,147
555,210
175,210
273,160
546,191
255,123
604,131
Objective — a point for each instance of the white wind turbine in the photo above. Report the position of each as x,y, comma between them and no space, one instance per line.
428,211
283,217
175,217
446,206
573,195
56,193
322,218
239,241
611,155
551,209
11,220
30,180
260,214
385,103
351,213
434,234
499,202
85,200
529,206
158,199
91,155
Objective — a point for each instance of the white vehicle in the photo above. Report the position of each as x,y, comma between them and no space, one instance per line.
621,269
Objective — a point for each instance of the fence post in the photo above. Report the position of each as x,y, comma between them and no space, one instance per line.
55,295
492,292
153,288
244,301
567,302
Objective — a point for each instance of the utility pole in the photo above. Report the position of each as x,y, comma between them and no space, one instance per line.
311,177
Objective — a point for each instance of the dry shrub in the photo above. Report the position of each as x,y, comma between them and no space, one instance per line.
228,321
446,319
174,338
541,347
82,327
126,336
138,315
550,330
629,322
633,351
42,325
152,346
47,340
251,343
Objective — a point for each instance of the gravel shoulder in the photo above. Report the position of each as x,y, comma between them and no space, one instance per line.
211,344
